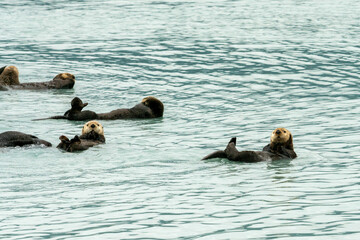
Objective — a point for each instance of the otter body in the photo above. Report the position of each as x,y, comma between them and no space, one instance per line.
9,79
19,139
233,154
77,143
280,147
42,85
80,116
138,111
150,107
92,134
280,151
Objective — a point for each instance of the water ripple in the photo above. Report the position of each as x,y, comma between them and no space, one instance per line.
223,69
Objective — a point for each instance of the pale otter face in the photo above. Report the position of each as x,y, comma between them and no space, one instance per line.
64,80
280,135
93,126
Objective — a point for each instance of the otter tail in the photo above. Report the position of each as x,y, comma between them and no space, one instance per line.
217,154
53,117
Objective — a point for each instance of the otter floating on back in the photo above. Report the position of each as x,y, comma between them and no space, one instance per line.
280,147
9,79
149,107
92,134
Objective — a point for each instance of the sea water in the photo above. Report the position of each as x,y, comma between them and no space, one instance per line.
222,69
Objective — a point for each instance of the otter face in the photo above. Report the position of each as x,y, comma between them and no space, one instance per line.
64,80
155,105
93,126
280,135
283,137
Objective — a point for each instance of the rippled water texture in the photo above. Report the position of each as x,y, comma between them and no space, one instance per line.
222,69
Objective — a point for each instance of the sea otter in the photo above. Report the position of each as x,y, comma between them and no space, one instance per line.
19,139
92,134
9,79
149,107
75,112
280,147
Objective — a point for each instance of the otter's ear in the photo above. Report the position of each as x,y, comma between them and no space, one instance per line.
289,143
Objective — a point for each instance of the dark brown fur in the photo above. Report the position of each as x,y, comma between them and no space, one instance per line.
277,149
14,139
81,143
150,107
9,79
92,134
76,113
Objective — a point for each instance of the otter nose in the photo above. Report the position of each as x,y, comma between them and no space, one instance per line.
92,125
278,131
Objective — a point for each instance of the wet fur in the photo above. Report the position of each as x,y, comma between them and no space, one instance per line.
150,107
78,143
9,76
19,139
90,137
9,79
76,113
279,148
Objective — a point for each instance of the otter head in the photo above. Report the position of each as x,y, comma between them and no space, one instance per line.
64,80
9,75
281,137
93,126
77,104
155,105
